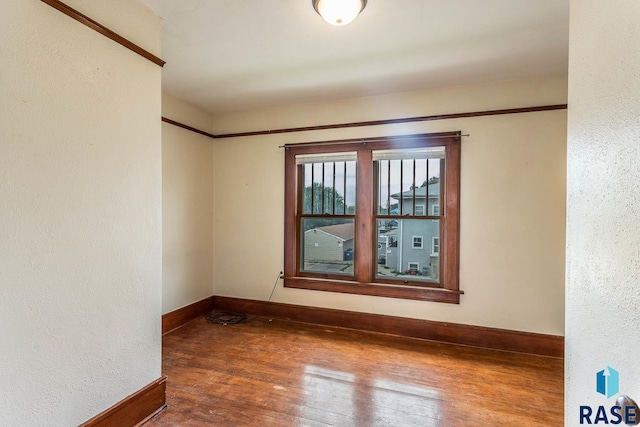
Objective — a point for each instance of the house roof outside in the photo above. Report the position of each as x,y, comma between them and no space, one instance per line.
342,231
421,192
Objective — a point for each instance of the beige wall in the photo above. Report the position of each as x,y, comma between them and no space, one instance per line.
603,216
80,209
513,201
187,206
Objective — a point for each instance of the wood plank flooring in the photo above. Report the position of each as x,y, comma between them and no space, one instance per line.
279,373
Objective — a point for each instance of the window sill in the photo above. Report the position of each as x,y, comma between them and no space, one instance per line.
375,289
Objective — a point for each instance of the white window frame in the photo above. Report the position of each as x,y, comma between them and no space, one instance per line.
417,264
435,252
418,213
433,210
413,242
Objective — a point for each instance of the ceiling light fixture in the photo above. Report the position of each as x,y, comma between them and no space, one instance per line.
339,12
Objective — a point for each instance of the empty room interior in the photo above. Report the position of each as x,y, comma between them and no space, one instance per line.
319,212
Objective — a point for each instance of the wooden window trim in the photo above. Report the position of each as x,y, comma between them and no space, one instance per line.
374,289
364,281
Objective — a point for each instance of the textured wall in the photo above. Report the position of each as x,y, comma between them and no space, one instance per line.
603,201
187,206
80,206
512,201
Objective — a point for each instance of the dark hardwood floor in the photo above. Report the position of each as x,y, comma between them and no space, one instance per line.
279,373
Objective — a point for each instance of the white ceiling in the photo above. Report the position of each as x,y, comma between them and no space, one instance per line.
231,55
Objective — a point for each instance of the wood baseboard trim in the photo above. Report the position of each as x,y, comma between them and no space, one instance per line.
452,333
177,318
134,409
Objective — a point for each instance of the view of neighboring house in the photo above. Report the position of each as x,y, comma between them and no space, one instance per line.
412,245
329,244
406,246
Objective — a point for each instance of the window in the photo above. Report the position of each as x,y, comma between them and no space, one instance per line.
435,246
362,193
326,213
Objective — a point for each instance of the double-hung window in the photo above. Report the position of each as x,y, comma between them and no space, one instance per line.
327,212
417,242
360,214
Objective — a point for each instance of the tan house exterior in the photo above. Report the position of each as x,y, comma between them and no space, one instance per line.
332,243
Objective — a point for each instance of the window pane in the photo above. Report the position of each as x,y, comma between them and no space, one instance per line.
409,249
325,188
421,172
350,188
329,188
340,186
394,179
407,187
410,176
318,187
327,245
306,172
383,187
433,202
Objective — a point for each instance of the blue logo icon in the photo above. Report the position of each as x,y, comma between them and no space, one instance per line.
608,382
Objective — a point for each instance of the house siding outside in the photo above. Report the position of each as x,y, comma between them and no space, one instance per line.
321,246
407,229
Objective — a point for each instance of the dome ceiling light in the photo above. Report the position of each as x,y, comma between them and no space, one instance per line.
339,12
